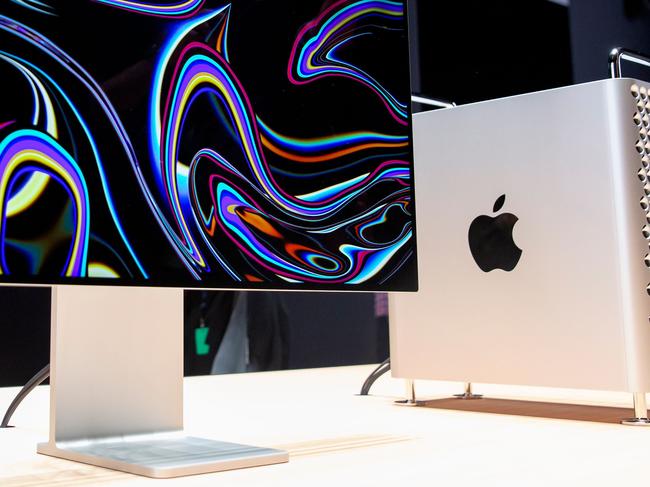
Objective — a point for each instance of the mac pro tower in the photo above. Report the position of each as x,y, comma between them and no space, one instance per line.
533,242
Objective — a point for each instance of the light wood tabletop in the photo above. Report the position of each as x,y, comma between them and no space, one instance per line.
337,438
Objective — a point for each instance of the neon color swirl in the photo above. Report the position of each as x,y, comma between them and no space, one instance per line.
314,53
323,149
51,102
202,69
240,172
182,9
271,242
36,6
31,151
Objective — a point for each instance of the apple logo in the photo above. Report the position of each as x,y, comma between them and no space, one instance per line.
490,240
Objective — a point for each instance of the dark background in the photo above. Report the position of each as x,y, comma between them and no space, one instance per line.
461,51
475,50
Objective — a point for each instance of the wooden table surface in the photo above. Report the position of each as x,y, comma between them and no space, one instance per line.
336,438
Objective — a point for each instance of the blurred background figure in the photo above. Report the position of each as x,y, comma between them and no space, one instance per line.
253,331
229,332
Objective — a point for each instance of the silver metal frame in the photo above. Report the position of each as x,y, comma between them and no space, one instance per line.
116,386
615,57
620,54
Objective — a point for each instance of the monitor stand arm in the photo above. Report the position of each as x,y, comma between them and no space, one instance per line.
116,386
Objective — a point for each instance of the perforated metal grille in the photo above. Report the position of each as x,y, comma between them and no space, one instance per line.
641,119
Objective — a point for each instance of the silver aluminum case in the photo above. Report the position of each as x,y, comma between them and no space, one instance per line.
574,312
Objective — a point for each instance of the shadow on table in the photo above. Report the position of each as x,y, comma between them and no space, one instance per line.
551,410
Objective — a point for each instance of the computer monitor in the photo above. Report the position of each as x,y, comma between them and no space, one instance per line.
150,147
253,145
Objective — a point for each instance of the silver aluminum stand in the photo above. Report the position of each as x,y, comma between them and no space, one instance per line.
116,386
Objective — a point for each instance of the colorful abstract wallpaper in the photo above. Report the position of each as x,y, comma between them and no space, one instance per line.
205,143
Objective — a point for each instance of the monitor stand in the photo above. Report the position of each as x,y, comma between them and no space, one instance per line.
116,386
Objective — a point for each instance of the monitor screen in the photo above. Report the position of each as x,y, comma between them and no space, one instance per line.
205,143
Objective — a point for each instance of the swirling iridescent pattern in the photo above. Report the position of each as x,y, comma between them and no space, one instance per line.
39,6
233,182
29,151
321,149
178,9
314,54
54,120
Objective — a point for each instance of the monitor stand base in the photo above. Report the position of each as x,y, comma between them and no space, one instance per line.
116,386
164,455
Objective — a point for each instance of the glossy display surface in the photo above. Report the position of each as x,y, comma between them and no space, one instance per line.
202,143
